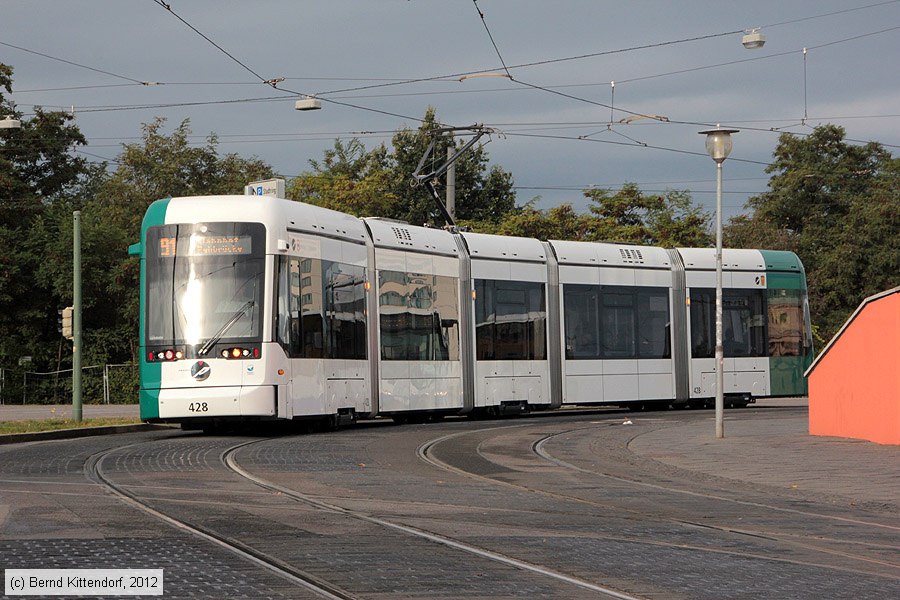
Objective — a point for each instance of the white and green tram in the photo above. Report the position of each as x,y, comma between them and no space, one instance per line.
258,308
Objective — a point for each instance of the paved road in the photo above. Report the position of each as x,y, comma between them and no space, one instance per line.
583,502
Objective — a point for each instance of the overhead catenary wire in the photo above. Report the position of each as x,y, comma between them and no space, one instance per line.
830,14
527,85
633,145
454,76
75,64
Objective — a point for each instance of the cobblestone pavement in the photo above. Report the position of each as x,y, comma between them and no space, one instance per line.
652,509
52,517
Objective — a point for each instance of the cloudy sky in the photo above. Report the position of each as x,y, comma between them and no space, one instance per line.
561,124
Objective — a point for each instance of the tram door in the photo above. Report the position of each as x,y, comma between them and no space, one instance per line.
322,327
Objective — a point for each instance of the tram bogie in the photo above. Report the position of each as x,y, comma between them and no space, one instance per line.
257,308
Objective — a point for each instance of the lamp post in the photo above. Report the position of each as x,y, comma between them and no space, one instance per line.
718,145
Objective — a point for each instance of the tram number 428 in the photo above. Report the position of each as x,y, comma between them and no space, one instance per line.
198,407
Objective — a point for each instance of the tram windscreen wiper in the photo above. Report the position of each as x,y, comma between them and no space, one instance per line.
218,335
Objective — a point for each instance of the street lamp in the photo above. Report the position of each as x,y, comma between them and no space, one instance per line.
753,39
718,145
308,103
10,123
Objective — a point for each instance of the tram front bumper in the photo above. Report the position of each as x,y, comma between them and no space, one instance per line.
231,401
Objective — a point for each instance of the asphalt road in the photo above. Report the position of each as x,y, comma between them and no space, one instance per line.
587,505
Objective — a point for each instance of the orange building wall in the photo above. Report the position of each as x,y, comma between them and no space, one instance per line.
854,390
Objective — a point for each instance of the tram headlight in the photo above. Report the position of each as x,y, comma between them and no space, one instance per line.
169,354
240,352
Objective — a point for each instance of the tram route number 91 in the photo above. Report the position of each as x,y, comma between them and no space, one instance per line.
198,407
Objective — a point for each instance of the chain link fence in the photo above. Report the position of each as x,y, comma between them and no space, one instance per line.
101,384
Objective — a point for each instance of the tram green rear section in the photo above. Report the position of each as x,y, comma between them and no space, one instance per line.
151,373
785,272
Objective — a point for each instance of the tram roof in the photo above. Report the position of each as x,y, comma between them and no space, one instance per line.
610,255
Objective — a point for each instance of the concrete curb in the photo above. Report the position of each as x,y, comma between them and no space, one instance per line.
68,434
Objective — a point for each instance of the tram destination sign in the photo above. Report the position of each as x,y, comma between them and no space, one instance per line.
209,245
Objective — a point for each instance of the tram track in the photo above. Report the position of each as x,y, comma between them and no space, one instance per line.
94,471
231,463
427,454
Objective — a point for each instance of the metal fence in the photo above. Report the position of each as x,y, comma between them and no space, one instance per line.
101,384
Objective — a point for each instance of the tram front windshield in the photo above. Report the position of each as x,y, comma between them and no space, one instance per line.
204,283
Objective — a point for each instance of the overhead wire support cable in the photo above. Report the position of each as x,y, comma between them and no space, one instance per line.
274,81
635,145
536,63
830,14
496,49
270,81
75,64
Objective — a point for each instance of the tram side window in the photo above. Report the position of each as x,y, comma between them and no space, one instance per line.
653,323
345,310
419,316
744,323
581,307
617,324
610,322
510,320
787,323
321,309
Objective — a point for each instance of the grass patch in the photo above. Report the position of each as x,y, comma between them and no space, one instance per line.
54,424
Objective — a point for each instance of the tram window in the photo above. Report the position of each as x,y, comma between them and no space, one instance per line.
703,308
610,322
419,316
282,308
345,305
653,326
744,323
510,320
787,323
326,309
617,324
581,308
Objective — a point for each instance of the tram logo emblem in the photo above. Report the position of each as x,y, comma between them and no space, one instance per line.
200,370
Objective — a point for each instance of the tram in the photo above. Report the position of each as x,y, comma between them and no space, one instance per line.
259,308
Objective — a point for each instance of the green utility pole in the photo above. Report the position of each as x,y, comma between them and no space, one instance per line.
76,319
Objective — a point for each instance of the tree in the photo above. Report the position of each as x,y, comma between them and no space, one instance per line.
112,211
349,179
629,215
837,205
37,170
482,194
378,182
558,223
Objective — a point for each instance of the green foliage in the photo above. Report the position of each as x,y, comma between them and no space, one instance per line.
837,205
378,182
627,216
349,179
37,170
42,182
